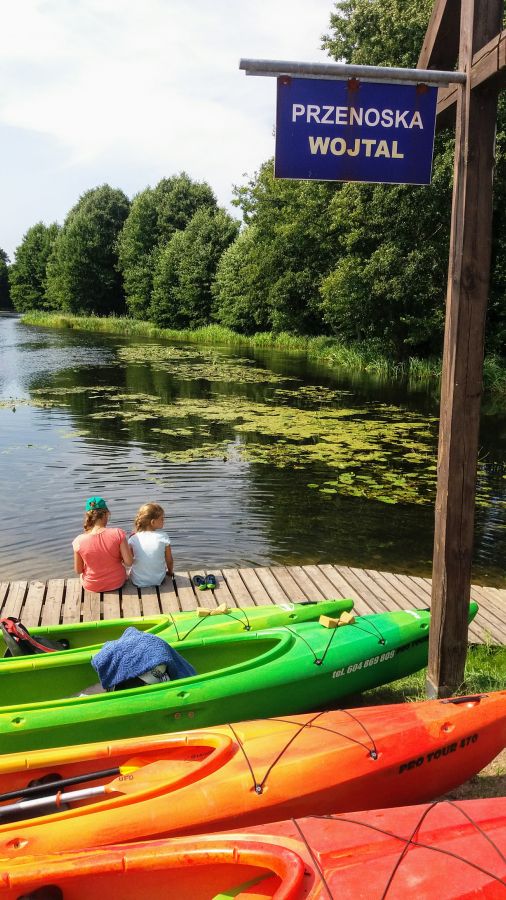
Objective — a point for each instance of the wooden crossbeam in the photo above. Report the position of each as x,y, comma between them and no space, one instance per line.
441,43
489,65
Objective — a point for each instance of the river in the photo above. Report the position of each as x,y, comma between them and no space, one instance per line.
258,457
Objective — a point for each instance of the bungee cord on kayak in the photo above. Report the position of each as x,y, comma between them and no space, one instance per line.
228,615
314,859
259,785
411,842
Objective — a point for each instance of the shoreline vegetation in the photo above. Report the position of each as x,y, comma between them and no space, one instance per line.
361,358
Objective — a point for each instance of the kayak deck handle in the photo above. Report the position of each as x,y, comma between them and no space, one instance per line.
477,698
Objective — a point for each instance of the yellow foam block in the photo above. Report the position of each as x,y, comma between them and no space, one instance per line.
222,608
202,612
328,622
346,618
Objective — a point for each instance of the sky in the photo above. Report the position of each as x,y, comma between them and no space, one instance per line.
126,92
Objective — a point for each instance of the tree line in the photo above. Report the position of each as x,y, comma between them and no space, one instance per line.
364,263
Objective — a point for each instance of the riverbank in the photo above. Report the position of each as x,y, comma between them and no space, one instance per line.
363,357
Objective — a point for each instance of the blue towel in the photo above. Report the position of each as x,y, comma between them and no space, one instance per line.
134,653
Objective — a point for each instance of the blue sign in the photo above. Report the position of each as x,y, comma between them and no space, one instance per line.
353,130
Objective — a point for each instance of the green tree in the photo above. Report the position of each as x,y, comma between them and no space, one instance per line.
182,290
5,300
27,274
239,287
378,32
156,214
82,271
389,283
291,249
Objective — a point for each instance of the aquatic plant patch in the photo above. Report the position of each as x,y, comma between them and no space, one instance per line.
190,364
364,447
376,451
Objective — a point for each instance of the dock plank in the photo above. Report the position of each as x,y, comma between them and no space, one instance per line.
485,597
185,592
205,599
91,606
222,592
255,587
372,591
32,608
401,594
272,587
111,605
318,585
130,601
73,601
352,587
237,587
169,602
149,602
295,583
4,590
51,610
13,603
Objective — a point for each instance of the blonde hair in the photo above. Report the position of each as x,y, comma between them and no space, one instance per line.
93,516
145,514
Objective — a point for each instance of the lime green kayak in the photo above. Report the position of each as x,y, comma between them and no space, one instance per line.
86,636
252,675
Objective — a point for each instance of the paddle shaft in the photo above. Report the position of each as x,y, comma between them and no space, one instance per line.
35,789
56,800
128,781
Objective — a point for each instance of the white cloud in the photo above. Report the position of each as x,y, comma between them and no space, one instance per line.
152,85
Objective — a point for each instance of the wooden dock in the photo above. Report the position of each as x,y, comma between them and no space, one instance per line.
64,600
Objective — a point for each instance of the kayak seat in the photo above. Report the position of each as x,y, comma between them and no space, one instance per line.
92,689
19,641
100,689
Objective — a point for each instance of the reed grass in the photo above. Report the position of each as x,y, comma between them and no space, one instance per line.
363,358
331,351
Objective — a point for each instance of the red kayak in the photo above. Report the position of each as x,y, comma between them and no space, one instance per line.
448,851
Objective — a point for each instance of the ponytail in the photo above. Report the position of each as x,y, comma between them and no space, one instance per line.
92,517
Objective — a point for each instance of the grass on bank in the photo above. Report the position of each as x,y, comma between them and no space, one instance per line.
362,358
485,671
325,348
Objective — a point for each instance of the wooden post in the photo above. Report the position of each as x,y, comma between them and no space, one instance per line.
461,384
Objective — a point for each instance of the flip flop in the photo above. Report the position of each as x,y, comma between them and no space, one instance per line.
200,582
210,582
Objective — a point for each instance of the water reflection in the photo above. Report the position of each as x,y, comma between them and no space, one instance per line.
97,433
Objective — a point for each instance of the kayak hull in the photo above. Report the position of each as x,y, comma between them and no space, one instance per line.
268,673
85,636
450,851
257,772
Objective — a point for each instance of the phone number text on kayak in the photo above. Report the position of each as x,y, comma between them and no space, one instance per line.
363,664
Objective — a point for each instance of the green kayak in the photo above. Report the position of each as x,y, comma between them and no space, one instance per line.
247,676
86,636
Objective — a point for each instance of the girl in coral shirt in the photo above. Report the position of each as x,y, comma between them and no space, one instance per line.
100,553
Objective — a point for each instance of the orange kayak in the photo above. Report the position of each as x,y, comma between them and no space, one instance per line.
449,851
245,774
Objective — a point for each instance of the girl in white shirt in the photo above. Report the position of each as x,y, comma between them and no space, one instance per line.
150,547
